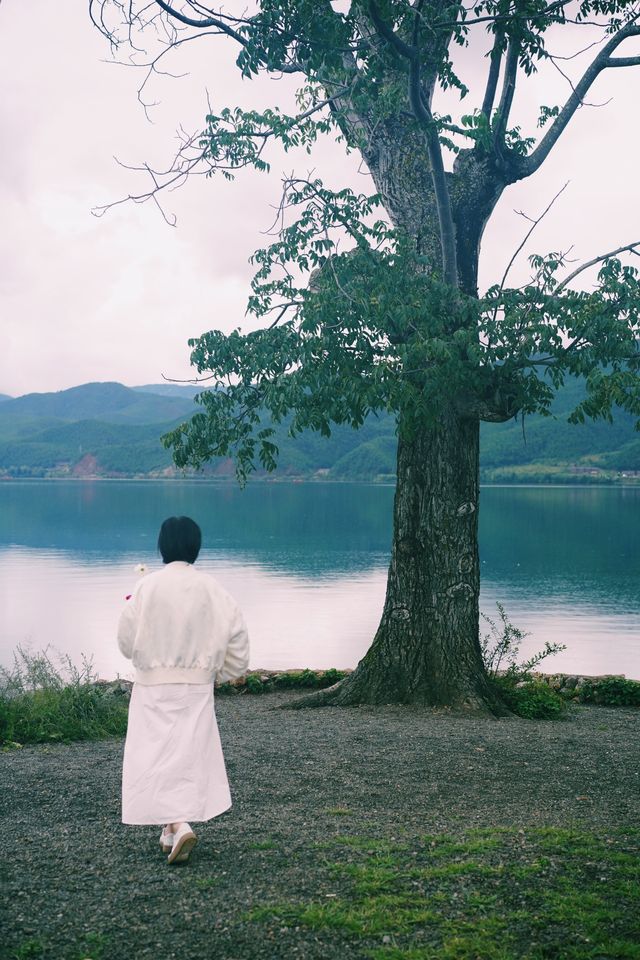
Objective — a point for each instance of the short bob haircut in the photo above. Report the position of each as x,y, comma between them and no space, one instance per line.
180,538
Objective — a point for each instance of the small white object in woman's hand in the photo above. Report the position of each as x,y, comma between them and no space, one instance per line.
140,568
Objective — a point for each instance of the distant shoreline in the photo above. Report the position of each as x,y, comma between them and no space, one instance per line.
107,431
595,482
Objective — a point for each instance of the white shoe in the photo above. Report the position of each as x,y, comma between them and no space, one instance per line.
184,840
166,840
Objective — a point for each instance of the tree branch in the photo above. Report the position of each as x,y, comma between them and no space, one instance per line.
191,157
529,232
494,74
508,89
211,21
441,189
512,17
600,63
592,263
388,34
623,62
202,24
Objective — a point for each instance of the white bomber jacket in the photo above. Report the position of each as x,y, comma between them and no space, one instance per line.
181,626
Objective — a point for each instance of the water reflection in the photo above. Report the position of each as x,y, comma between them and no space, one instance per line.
308,564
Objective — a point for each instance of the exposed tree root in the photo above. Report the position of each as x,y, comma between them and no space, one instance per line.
354,691
330,696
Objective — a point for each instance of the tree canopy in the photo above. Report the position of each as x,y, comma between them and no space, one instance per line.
377,328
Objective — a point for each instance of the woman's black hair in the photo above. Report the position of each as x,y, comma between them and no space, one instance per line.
180,538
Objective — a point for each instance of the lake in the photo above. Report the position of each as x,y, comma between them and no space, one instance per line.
307,563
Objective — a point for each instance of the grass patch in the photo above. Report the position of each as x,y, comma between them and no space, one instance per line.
92,948
204,883
369,844
44,703
504,894
30,950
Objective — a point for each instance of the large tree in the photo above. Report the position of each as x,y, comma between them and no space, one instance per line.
371,303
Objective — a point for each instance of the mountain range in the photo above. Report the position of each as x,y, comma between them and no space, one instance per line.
110,430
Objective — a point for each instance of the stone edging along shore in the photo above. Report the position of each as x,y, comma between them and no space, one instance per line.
576,687
254,681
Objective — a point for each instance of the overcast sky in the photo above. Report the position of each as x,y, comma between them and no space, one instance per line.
117,298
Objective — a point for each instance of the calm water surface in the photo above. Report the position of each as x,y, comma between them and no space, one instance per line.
307,563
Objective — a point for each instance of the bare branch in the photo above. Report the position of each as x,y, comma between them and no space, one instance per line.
512,17
600,63
152,68
185,163
591,263
534,224
578,53
181,167
204,23
585,103
193,380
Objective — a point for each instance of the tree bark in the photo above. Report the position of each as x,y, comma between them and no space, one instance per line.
426,650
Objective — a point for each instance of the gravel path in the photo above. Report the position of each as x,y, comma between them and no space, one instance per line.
80,884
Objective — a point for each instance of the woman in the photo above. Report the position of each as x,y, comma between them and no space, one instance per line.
181,630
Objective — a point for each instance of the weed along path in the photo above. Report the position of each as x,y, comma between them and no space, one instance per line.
391,834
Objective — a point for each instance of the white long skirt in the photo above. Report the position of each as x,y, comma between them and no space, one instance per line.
173,768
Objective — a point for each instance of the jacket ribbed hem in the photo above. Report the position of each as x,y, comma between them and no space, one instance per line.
173,675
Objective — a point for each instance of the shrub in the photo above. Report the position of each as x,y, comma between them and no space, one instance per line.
284,681
42,703
532,699
502,645
254,684
611,692
526,696
329,677
308,678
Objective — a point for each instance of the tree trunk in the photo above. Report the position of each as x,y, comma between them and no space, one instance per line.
426,649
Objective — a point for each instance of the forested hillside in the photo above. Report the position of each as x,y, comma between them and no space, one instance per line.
109,430
107,402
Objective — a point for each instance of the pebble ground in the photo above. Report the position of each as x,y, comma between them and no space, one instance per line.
77,883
